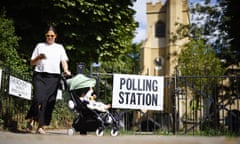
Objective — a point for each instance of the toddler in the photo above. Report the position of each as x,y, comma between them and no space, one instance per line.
90,97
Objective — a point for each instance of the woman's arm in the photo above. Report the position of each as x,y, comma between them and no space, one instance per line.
65,68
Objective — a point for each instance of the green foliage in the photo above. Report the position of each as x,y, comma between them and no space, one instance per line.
229,26
91,30
8,44
199,56
199,59
62,116
219,22
127,62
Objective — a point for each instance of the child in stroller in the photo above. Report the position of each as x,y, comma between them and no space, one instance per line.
89,99
90,115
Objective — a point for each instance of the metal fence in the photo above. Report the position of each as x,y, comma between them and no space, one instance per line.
193,105
12,109
208,104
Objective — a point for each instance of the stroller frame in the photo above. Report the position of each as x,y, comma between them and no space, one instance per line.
87,120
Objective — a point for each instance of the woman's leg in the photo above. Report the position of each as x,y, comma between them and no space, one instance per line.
31,117
30,125
40,129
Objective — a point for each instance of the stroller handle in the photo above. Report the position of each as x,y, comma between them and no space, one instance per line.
63,81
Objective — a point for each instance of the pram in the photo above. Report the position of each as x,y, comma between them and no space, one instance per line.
87,120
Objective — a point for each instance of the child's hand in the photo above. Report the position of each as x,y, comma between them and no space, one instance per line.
91,98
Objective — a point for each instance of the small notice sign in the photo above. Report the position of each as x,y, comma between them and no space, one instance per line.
20,88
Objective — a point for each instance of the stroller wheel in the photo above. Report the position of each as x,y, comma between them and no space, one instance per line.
71,131
114,132
99,132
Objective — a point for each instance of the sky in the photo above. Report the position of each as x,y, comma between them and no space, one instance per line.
140,17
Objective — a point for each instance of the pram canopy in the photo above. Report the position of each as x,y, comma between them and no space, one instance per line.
80,81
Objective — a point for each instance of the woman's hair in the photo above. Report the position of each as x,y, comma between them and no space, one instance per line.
51,28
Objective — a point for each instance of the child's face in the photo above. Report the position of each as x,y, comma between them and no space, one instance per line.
94,96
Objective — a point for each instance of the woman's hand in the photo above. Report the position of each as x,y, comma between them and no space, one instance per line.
37,58
41,56
67,73
65,68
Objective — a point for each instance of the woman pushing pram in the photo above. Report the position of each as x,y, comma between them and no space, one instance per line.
90,115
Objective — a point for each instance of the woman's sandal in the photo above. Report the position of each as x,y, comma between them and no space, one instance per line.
40,131
29,128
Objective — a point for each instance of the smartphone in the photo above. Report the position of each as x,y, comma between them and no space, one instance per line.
43,55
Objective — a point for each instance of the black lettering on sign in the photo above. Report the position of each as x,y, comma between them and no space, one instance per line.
122,82
121,100
148,99
139,84
154,99
139,98
133,99
155,85
127,94
129,84
140,88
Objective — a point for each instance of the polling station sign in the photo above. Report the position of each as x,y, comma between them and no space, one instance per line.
20,88
138,92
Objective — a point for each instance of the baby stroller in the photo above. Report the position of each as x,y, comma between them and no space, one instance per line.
87,120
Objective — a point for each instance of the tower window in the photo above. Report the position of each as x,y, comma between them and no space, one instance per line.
160,29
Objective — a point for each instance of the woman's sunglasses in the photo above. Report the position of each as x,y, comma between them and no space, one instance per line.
50,36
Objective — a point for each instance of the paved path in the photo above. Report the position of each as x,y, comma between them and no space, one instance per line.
61,137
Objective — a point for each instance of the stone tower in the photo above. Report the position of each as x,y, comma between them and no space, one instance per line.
158,54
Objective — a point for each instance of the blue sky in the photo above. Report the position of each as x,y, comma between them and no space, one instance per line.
140,7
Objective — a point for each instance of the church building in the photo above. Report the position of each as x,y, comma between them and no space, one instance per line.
158,53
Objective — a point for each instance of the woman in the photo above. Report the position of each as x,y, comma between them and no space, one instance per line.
47,58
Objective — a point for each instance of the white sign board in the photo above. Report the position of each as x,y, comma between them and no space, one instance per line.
138,92
20,88
0,78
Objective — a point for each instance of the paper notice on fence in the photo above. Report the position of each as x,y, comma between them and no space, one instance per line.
138,92
20,88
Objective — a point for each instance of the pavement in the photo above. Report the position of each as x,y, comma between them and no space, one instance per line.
61,137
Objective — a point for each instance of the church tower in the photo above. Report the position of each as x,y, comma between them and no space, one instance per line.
158,54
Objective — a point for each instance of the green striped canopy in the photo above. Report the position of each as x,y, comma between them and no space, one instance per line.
80,81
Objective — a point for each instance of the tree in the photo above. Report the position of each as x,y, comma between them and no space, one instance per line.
221,22
200,54
9,56
127,62
229,25
91,30
199,59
